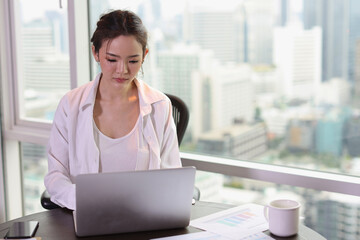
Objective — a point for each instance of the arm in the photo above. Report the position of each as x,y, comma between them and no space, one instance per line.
58,180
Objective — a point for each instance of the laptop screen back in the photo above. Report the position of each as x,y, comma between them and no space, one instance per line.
108,203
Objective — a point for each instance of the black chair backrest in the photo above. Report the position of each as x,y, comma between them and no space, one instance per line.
180,114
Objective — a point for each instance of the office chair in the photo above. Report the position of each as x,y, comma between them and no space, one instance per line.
180,114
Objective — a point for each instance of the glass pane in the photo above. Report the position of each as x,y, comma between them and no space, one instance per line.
272,81
42,56
333,215
34,169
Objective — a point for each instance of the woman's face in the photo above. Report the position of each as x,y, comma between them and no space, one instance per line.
120,60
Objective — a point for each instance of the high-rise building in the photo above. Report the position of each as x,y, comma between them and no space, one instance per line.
260,22
352,137
177,66
312,13
44,68
284,13
341,214
177,69
354,37
297,54
233,95
356,99
241,141
338,20
46,65
224,96
223,31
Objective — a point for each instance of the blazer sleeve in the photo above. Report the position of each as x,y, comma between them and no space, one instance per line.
169,151
58,180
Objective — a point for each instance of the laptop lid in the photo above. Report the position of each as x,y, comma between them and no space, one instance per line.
109,203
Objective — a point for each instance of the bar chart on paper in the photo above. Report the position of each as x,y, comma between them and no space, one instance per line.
235,223
245,216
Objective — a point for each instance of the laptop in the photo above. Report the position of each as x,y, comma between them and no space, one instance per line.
110,203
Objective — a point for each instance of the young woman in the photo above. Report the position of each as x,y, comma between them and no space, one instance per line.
115,122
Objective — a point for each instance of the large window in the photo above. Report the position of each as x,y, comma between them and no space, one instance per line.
266,81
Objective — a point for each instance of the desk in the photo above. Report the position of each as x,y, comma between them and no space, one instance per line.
58,224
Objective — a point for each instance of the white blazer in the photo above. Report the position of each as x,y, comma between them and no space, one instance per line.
72,149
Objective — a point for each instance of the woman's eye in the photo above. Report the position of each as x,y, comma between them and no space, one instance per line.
133,61
111,60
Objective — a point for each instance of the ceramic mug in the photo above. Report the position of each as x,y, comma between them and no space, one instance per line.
283,217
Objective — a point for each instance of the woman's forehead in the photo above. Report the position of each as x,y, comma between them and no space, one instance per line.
122,44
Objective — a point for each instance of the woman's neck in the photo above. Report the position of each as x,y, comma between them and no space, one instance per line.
127,93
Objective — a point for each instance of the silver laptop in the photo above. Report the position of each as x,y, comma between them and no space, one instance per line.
109,203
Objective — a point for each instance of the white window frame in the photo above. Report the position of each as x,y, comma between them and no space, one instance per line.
312,179
15,130
2,185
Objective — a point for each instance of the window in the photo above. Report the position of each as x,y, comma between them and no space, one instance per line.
42,54
34,166
269,82
267,69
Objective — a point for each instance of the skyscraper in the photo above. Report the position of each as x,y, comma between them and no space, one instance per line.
354,38
297,54
177,68
221,30
357,75
260,21
333,18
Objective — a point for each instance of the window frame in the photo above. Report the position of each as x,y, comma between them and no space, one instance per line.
15,130
312,179
2,184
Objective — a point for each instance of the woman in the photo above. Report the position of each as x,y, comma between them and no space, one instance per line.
114,123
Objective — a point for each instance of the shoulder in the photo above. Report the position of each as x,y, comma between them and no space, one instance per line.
80,93
150,95
84,95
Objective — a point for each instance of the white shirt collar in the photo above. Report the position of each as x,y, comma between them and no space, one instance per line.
147,95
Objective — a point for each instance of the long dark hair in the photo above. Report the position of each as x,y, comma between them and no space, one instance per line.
117,23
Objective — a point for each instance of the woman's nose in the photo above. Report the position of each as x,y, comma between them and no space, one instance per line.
122,67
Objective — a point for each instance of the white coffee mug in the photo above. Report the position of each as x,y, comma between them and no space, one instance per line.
283,217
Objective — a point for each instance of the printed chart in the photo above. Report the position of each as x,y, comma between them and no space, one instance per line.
234,223
244,216
213,236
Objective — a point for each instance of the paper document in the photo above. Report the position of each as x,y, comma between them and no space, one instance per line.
258,236
195,236
213,236
235,223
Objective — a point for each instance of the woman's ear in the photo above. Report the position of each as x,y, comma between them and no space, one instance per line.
95,54
146,52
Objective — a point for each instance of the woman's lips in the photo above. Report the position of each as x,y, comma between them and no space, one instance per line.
120,80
